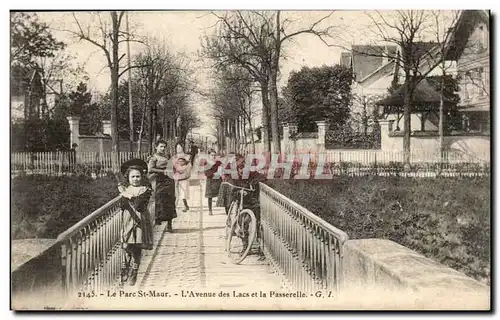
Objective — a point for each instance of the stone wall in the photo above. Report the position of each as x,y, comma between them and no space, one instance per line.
99,143
473,146
403,278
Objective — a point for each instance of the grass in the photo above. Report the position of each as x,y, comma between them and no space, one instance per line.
445,219
43,207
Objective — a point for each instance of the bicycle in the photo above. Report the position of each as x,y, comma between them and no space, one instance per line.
241,227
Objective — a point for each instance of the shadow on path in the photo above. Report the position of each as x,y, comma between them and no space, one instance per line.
195,229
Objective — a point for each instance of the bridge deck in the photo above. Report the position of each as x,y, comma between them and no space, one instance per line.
190,261
192,257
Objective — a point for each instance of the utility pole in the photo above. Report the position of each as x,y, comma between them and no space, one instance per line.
130,105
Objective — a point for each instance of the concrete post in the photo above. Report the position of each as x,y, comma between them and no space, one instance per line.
321,135
74,129
292,130
384,133
286,138
106,127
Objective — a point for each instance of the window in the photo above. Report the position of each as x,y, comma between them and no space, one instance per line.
486,82
482,41
466,84
474,83
478,121
479,82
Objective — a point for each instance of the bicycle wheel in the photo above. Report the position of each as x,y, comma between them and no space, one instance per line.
241,236
231,213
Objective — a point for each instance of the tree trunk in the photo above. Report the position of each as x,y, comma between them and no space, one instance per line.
407,121
365,120
164,123
114,95
441,121
273,89
220,138
244,133
252,136
130,104
265,116
238,133
150,129
141,130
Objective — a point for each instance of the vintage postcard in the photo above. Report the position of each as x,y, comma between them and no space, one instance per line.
250,160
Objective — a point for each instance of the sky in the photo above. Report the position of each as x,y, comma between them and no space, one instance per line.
182,31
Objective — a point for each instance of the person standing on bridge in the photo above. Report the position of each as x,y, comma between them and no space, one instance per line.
163,200
182,173
193,151
137,230
213,183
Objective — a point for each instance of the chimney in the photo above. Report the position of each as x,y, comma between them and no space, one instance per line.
106,127
74,129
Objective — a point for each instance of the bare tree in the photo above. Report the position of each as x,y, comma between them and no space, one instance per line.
442,33
240,39
58,75
232,99
165,82
406,29
255,41
367,115
283,33
108,36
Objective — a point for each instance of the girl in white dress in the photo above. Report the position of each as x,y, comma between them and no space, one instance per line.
182,172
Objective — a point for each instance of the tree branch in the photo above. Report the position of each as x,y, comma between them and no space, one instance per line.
82,36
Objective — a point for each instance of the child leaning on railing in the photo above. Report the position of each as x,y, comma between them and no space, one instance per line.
137,230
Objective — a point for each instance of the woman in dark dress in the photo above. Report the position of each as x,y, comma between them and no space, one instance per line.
137,230
213,182
163,200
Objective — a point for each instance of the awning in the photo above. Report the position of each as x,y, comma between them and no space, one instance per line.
424,95
475,108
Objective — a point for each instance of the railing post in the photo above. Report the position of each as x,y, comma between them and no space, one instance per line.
64,275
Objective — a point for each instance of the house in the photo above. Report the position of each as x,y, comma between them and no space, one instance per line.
468,50
469,46
27,89
375,69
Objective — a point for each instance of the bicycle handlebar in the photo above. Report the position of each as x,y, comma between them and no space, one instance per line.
237,187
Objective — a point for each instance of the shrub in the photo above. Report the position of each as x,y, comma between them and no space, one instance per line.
445,219
43,207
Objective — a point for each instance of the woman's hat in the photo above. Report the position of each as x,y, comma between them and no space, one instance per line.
139,163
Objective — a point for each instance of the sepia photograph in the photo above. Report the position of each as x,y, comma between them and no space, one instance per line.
177,160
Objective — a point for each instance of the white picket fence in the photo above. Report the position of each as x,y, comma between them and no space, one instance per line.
67,163
98,164
416,156
370,156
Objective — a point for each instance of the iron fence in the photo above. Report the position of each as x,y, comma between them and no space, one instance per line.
91,251
306,250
